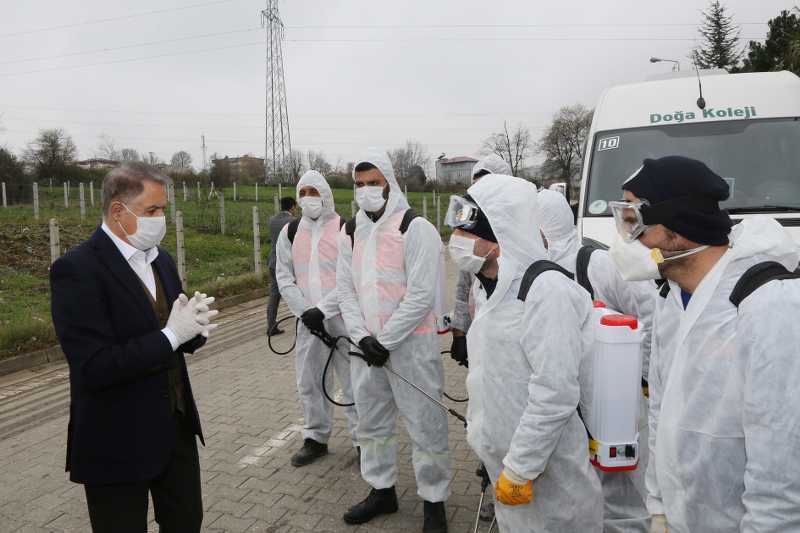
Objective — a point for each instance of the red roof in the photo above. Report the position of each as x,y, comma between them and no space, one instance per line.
459,159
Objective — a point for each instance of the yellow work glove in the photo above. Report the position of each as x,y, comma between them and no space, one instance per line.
658,523
511,489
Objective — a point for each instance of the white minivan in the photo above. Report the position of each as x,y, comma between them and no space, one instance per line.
748,132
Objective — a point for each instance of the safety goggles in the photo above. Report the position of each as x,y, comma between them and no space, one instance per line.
461,213
628,218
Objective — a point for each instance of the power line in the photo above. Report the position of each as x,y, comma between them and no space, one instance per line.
114,19
128,46
471,26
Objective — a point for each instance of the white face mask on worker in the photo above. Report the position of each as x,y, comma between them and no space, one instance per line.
462,251
311,206
149,231
637,262
370,198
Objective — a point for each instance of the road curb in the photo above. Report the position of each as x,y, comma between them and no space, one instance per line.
54,354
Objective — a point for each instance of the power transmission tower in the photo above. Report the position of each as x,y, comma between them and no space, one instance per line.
278,149
205,160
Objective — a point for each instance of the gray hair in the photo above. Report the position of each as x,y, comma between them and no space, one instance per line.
126,182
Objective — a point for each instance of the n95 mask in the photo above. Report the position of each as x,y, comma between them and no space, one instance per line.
149,231
461,250
370,198
311,206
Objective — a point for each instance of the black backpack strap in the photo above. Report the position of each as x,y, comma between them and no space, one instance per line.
534,271
757,276
292,231
342,222
663,288
582,268
350,230
409,215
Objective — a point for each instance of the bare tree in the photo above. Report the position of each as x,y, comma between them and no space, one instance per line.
405,159
129,154
294,165
514,147
107,148
317,161
181,160
50,152
564,143
151,159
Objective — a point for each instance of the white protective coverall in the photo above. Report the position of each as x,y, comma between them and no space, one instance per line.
492,163
306,274
624,493
724,394
387,284
527,363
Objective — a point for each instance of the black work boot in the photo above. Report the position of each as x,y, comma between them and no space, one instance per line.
379,501
435,518
310,452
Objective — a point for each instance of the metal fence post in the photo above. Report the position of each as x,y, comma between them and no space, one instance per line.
198,191
221,211
171,199
256,241
256,192
180,247
277,204
234,191
55,241
66,195
5,200
35,200
439,213
91,192
81,201
185,193
424,207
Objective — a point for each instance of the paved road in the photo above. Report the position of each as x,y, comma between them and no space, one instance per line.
252,421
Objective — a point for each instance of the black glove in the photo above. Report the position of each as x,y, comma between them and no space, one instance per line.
458,350
313,319
374,352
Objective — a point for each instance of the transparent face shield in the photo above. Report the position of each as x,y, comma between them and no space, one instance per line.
628,218
461,213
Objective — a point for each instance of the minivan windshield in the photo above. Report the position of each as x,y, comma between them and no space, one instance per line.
760,160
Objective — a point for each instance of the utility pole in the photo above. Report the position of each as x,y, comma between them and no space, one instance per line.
278,143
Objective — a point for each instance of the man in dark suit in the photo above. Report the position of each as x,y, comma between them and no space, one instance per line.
124,324
276,224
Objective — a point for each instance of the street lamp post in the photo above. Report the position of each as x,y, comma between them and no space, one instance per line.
676,67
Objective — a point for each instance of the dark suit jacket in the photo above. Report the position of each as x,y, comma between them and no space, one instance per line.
121,426
276,224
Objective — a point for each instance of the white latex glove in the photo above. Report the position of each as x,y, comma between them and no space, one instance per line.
183,319
658,523
205,314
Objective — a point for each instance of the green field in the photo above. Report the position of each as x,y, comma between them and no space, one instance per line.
218,264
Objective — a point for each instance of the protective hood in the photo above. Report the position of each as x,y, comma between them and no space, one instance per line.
314,179
380,159
766,239
493,164
511,205
558,225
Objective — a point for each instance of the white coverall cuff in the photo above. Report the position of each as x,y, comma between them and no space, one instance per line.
655,506
173,340
520,473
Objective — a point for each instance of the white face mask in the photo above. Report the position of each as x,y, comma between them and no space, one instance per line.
637,262
370,198
149,231
311,206
462,250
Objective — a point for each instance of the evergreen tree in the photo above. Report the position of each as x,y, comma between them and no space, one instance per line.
720,39
780,50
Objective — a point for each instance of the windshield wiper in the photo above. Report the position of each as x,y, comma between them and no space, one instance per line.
764,209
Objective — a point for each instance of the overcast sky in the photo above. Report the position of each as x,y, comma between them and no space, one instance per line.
156,74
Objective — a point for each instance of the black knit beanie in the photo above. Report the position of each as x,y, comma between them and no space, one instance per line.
482,227
683,195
